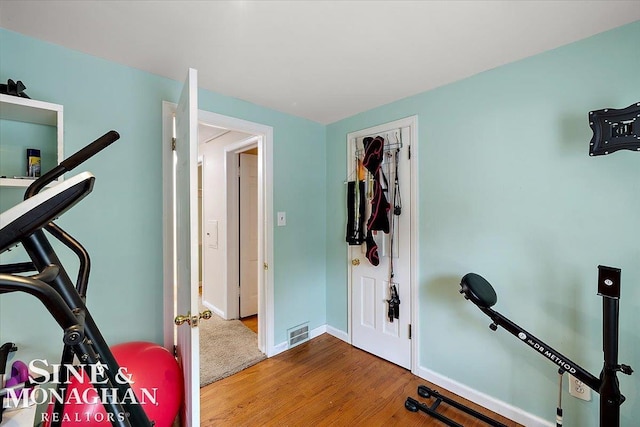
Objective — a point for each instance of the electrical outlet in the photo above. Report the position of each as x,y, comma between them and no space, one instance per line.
578,389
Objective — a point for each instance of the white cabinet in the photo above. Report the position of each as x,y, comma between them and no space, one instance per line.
28,111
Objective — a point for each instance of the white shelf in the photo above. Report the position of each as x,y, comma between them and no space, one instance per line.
13,182
27,110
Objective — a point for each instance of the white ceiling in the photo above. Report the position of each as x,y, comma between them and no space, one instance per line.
322,60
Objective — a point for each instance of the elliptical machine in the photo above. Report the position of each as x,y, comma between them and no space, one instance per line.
25,224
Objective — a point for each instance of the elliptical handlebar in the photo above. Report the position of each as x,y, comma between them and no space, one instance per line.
72,162
90,150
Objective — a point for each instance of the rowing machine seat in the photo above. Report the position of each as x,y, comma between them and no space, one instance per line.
478,290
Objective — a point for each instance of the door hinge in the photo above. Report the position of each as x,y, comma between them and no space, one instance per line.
173,144
175,351
409,330
409,147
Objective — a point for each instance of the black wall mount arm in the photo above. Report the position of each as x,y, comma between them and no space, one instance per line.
615,129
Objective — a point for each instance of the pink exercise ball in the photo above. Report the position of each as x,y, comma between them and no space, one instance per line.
151,368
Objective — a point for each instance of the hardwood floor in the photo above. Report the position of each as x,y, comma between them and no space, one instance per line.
323,382
251,322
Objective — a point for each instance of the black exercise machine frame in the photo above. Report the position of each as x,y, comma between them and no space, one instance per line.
423,391
476,289
66,302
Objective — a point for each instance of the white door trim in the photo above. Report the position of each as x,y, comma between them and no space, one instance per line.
265,227
168,236
412,123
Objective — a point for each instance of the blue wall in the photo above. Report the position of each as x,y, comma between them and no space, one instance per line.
120,223
507,189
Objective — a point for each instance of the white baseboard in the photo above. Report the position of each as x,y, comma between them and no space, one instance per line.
342,335
506,410
277,349
284,346
216,310
317,331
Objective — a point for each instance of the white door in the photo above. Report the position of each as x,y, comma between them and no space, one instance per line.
248,235
186,247
372,330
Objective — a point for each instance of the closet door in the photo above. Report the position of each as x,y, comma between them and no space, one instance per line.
371,328
248,235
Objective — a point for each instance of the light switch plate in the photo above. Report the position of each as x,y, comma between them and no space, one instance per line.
282,219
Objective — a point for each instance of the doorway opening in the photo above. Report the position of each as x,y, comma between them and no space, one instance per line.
236,226
230,220
260,138
229,258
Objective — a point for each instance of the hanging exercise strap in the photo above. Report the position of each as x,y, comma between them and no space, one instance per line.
356,206
394,300
374,152
397,199
372,161
355,212
559,410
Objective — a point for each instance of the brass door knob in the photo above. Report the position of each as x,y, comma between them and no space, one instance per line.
192,320
355,261
180,319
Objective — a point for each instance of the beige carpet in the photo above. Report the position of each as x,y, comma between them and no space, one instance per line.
226,347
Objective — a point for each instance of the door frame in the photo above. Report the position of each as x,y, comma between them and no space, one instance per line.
412,123
265,227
